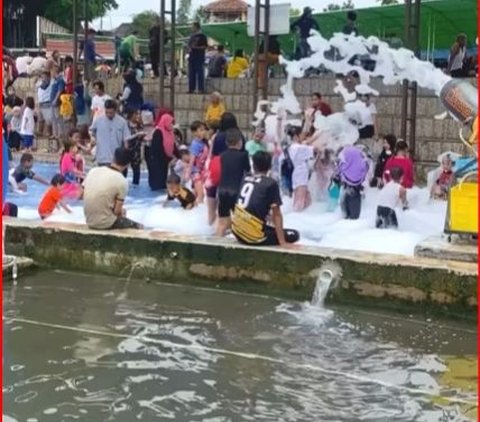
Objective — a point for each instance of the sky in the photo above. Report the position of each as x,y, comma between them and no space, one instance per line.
127,8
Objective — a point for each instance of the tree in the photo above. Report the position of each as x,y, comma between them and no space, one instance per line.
60,11
183,12
347,4
200,15
295,12
144,21
387,2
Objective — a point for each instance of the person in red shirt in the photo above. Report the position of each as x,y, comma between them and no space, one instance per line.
53,198
319,105
402,160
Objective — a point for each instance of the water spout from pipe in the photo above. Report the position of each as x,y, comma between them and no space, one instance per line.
328,277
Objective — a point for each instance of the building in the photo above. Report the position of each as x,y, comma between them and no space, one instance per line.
226,11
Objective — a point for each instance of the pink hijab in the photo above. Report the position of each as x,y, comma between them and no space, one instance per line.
164,124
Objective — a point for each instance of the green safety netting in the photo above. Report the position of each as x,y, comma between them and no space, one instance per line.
441,21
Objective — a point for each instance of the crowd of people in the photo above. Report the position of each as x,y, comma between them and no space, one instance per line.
243,178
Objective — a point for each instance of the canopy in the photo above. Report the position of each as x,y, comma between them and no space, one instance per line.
441,22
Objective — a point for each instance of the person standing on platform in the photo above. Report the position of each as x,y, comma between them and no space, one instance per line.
197,45
305,24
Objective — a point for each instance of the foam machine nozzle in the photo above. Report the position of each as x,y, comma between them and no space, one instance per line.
460,98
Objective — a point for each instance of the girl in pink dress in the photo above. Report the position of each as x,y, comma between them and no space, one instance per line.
69,168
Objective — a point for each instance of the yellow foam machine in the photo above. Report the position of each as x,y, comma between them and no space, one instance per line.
461,99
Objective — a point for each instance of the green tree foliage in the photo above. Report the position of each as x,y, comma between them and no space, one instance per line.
183,12
387,2
200,15
142,22
295,12
61,11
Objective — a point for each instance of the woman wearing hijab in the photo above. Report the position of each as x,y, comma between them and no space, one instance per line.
132,96
161,152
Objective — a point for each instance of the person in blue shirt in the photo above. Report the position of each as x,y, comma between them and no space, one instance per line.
58,126
305,24
90,55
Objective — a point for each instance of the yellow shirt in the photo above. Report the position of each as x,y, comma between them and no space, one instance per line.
236,67
214,113
66,106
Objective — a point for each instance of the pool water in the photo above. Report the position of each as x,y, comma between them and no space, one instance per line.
92,348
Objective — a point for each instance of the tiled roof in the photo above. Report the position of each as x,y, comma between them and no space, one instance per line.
227,6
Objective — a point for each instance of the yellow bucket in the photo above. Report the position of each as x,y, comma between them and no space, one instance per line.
463,206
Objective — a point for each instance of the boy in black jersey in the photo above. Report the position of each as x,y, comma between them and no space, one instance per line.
177,191
235,164
259,196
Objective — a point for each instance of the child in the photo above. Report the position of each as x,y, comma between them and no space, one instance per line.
402,159
199,150
181,165
352,170
27,129
53,198
300,156
14,137
135,143
69,170
234,164
333,194
389,143
24,171
256,144
392,194
177,191
444,181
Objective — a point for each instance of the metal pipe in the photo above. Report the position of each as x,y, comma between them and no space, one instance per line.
161,61
255,58
415,35
173,56
75,44
266,36
408,15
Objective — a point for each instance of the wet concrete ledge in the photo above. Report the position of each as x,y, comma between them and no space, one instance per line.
423,285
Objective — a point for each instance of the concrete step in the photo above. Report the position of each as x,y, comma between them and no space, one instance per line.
457,250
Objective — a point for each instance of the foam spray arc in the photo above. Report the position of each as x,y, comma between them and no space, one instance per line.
338,56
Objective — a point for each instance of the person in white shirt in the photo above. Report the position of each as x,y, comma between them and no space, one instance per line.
99,99
45,111
22,64
27,128
391,196
368,128
37,66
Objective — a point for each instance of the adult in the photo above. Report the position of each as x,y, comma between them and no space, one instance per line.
38,65
305,24
217,64
22,63
237,66
53,64
45,111
90,56
458,57
105,191
228,121
368,125
110,132
154,47
270,59
99,99
58,87
215,110
197,45
259,197
129,50
12,99
162,150
132,96
350,27
10,68
320,106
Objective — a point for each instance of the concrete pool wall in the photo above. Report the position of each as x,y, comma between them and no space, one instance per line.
388,281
